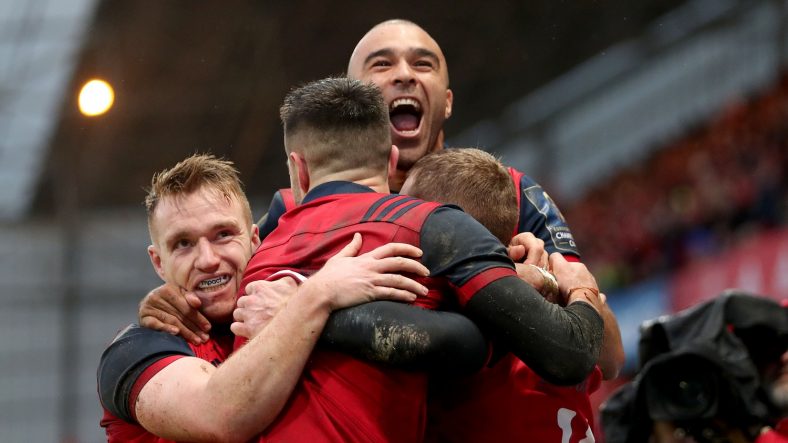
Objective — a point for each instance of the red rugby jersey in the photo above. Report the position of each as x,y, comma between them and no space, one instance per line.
340,398
508,402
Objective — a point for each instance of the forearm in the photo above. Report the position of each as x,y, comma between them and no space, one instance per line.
611,357
255,383
408,337
560,344
244,395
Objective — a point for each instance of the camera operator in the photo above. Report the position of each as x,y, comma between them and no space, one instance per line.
716,372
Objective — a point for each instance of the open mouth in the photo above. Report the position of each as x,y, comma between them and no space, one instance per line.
212,284
405,115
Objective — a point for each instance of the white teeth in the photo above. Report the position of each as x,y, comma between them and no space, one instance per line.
211,282
405,102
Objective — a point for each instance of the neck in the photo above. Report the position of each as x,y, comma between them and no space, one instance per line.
397,179
378,183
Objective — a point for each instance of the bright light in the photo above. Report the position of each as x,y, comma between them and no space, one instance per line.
95,98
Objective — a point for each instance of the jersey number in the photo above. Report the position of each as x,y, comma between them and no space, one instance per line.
565,417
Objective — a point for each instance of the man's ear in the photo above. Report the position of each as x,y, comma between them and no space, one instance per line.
155,260
393,159
255,237
449,102
301,170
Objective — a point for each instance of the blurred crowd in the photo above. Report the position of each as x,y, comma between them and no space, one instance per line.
718,183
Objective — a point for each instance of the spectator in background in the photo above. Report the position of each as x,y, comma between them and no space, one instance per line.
692,198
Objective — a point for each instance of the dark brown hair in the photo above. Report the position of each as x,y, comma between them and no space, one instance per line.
344,122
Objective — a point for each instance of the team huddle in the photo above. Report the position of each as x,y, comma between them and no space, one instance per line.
399,291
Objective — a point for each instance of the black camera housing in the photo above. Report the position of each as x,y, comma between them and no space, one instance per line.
698,371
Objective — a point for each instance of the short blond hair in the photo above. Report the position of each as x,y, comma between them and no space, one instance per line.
193,173
473,180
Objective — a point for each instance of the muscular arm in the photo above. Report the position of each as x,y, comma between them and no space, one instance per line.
611,357
191,400
526,245
559,344
540,215
407,336
132,352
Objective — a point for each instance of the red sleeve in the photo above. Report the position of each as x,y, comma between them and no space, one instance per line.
143,379
480,280
120,431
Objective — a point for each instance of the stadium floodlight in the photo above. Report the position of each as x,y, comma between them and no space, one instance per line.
96,97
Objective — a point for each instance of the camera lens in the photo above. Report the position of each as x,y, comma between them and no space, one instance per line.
682,387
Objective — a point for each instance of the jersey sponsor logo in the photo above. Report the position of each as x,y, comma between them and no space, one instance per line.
554,219
562,238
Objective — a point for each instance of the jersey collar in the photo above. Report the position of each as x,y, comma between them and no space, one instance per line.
335,187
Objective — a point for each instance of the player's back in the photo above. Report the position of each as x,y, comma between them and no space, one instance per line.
340,398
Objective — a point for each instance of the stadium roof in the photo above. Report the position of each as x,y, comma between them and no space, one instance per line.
198,76
38,43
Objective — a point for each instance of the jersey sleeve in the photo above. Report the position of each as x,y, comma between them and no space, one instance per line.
540,215
559,344
129,355
463,251
282,200
408,337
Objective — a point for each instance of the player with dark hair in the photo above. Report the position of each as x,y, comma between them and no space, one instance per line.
328,125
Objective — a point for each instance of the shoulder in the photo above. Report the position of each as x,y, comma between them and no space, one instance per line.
455,242
132,351
445,216
540,215
532,196
281,202
136,340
